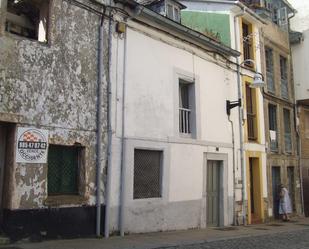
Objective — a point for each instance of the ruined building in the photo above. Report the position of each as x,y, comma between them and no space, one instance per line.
48,116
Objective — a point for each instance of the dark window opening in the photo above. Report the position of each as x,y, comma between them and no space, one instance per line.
28,18
287,130
251,113
247,43
63,169
284,77
270,70
272,116
147,174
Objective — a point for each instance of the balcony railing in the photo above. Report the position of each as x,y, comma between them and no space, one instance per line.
184,121
247,53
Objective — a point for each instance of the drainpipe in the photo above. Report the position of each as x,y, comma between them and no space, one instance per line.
298,136
299,160
122,163
241,146
234,195
99,129
109,132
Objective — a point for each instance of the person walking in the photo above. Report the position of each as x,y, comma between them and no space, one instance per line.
284,203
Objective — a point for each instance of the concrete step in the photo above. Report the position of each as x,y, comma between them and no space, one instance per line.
4,240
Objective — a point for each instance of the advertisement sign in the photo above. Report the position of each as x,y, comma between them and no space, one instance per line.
31,145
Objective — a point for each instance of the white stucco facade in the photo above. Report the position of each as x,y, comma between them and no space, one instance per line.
146,107
300,23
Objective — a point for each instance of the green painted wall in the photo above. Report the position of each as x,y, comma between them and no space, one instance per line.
205,22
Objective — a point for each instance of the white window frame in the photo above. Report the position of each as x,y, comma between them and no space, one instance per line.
174,9
187,117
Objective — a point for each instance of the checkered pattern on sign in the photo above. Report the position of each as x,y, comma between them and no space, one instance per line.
30,137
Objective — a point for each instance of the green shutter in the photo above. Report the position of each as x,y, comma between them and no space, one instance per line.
62,170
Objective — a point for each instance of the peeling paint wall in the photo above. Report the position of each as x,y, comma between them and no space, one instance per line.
53,86
278,40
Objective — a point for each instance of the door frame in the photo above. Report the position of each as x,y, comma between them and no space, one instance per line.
3,155
258,195
275,192
226,211
213,169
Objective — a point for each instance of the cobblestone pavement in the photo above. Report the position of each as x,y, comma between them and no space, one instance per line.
284,240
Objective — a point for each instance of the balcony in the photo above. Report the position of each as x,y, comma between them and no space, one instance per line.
184,120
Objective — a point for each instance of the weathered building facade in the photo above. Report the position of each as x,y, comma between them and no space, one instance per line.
48,108
280,130
173,144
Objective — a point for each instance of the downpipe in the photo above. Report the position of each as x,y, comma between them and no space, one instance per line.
99,129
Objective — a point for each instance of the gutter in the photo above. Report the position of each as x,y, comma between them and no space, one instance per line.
183,30
241,145
109,133
99,129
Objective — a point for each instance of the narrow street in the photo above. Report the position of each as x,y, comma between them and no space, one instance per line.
285,240
273,235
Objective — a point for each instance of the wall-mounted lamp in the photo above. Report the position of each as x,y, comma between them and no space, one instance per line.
231,104
258,79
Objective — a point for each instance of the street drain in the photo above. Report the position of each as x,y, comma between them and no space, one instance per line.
260,228
226,228
275,225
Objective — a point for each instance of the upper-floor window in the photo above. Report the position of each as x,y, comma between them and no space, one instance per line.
287,130
173,12
284,77
186,107
247,43
272,116
270,70
251,113
28,18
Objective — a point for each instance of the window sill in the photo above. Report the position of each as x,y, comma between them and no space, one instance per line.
59,200
24,38
186,135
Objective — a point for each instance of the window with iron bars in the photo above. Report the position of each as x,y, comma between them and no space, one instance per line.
147,174
251,113
284,77
287,130
63,169
270,70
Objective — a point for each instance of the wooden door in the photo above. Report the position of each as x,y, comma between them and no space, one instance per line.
276,181
213,193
